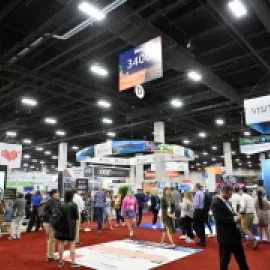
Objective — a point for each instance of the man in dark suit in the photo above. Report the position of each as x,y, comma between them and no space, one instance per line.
228,230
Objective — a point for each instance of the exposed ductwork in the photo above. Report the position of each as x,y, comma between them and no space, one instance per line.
175,56
262,10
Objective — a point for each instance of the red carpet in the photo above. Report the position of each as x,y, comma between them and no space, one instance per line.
29,252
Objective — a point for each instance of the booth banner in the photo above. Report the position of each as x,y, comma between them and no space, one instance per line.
103,149
253,145
168,174
173,166
105,172
129,147
109,161
140,65
85,153
10,194
230,180
11,155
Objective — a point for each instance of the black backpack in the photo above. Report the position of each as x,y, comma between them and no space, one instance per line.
56,218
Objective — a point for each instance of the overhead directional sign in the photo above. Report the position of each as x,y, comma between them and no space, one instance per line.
141,64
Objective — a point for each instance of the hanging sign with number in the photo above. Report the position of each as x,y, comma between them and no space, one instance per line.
141,64
139,91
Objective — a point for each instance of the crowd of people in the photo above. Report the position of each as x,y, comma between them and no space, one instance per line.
232,210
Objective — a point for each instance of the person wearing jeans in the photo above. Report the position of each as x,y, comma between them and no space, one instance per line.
155,207
37,200
99,204
18,217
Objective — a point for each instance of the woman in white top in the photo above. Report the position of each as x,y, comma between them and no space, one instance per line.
187,215
108,210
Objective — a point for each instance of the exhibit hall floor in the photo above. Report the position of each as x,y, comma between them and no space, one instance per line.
29,252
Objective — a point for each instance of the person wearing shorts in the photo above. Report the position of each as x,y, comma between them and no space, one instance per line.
108,210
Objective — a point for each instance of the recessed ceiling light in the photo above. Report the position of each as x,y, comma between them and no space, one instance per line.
92,11
54,157
214,147
75,148
11,134
177,103
202,134
32,167
214,159
238,8
196,156
99,70
26,156
29,102
60,133
27,141
249,162
104,104
186,142
205,153
50,120
247,133
237,160
205,162
42,162
111,134
34,160
233,152
195,75
222,156
220,122
48,152
107,121
248,157
25,164
39,148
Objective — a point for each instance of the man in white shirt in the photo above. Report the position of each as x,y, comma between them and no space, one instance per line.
236,200
81,205
247,208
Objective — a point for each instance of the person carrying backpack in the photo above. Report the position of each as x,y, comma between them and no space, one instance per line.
48,208
63,220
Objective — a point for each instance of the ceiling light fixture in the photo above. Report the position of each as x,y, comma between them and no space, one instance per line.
39,148
42,162
247,133
60,133
75,148
99,70
47,153
11,134
54,157
202,134
238,8
27,141
104,104
111,134
214,147
50,120
177,103
205,153
214,159
26,156
29,102
194,75
107,121
186,142
92,11
220,122
34,160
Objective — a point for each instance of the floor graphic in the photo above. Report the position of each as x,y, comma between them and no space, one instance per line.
131,254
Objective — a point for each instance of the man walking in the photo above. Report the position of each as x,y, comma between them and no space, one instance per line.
228,230
99,204
198,206
247,209
140,199
37,200
78,200
50,205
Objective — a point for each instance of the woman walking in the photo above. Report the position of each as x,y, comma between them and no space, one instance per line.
88,210
117,207
129,210
187,216
108,210
262,208
67,232
168,214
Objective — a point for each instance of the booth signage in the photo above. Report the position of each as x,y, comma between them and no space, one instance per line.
253,145
11,155
257,110
105,172
103,149
141,64
85,153
10,194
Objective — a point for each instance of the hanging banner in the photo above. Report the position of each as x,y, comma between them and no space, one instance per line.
257,113
85,153
253,145
129,147
141,64
11,155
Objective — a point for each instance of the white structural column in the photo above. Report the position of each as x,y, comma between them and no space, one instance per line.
62,156
139,172
227,150
132,176
262,158
159,136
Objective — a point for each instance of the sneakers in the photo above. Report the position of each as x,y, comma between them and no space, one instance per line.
189,241
173,246
54,259
131,233
154,227
87,229
12,238
61,264
183,237
75,265
211,236
124,224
